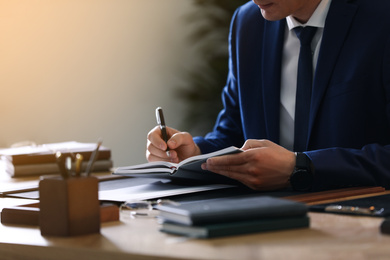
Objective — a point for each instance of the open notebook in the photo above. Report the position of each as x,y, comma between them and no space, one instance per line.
188,169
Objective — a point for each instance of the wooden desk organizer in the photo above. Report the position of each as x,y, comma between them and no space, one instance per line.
69,207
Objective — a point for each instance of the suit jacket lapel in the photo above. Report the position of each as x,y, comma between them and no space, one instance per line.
337,24
271,73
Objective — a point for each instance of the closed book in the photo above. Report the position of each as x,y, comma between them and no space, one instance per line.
236,228
46,153
231,210
189,168
52,168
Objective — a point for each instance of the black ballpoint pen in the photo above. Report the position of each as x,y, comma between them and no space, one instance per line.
161,123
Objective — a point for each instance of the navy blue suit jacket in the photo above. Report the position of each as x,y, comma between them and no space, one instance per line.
349,128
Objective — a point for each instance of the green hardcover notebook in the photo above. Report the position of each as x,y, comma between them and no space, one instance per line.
235,228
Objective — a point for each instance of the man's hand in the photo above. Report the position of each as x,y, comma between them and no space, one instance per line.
263,165
181,146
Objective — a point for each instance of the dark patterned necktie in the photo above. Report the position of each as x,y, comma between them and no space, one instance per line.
304,87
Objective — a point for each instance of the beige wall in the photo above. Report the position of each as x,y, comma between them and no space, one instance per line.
84,69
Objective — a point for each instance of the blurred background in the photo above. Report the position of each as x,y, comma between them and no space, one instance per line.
78,70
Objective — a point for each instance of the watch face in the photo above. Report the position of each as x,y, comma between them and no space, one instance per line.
301,180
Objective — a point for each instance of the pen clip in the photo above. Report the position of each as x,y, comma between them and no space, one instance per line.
160,117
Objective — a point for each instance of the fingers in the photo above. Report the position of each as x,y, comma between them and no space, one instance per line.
231,160
251,143
175,138
227,165
184,145
155,138
180,139
262,165
154,153
156,147
180,144
231,171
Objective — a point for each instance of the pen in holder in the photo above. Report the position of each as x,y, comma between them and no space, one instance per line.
69,204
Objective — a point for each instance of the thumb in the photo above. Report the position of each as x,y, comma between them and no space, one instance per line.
251,143
180,139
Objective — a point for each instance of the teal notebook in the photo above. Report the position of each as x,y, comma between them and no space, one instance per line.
236,228
231,210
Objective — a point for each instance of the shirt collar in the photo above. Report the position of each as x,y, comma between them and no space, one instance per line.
316,20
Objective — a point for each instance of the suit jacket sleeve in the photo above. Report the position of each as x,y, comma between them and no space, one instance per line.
234,123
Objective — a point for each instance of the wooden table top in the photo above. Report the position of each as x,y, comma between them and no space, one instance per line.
330,236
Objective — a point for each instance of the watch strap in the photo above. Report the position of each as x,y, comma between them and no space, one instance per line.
301,178
302,161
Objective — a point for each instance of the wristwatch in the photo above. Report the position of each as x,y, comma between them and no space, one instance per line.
301,178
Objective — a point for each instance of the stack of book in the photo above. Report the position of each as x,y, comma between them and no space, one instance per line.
41,159
232,216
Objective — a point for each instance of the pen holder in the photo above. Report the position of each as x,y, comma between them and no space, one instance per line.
69,207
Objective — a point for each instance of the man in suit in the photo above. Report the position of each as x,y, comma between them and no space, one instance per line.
346,137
